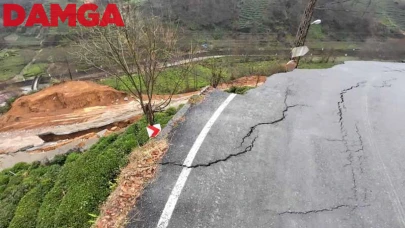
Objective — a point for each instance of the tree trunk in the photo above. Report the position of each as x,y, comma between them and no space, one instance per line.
150,116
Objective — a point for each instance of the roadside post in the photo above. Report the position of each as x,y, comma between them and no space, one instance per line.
154,130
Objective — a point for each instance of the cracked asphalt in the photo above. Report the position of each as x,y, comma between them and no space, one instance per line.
309,148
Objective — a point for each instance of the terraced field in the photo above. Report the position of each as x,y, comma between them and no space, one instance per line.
251,13
393,14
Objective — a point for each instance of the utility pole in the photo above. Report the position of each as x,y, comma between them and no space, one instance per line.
304,25
70,73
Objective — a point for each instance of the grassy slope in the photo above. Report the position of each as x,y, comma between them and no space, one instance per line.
234,68
392,15
199,76
35,70
12,61
64,193
195,79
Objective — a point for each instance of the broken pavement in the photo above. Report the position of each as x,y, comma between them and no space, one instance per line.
319,148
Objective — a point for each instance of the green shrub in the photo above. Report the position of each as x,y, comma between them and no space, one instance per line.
72,157
11,177
35,69
49,208
4,180
5,109
59,159
171,111
27,210
84,183
9,103
10,202
17,168
88,181
64,193
25,178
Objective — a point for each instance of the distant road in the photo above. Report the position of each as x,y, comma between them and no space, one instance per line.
310,148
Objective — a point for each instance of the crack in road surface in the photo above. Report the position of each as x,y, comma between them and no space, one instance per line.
351,152
323,210
341,103
341,166
284,115
315,211
360,139
385,83
247,149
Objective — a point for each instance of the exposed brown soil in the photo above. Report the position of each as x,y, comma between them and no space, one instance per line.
251,81
67,96
47,106
76,102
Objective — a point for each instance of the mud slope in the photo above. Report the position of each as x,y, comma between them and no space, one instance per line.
58,100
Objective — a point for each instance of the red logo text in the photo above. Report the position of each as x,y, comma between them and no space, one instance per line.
86,15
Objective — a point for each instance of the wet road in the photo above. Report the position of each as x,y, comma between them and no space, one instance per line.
310,148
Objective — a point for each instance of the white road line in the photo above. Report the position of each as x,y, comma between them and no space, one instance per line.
181,181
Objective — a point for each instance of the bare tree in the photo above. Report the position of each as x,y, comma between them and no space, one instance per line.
217,67
136,54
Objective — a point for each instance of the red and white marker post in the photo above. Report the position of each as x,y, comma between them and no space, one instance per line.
154,130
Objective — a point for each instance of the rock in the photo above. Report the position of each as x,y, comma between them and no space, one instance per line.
26,148
44,161
114,128
126,99
101,133
291,65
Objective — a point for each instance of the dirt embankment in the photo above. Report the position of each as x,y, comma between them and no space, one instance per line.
251,81
77,108
76,102
57,100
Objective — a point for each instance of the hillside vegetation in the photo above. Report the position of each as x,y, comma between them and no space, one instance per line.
69,190
342,20
226,26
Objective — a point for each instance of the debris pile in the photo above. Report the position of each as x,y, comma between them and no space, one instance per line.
61,99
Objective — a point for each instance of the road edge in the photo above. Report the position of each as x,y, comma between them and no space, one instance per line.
178,117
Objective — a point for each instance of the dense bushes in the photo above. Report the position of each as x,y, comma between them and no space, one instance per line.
65,192
26,212
48,211
18,182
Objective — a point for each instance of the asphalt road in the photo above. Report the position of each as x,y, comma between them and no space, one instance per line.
310,148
